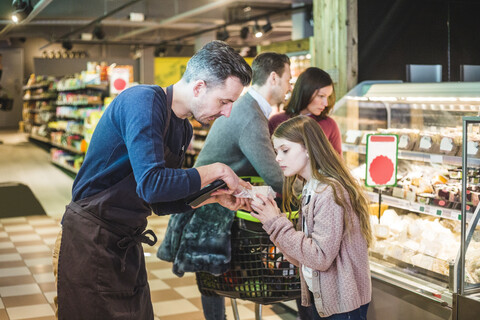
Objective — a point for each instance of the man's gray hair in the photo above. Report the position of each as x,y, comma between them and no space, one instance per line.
215,62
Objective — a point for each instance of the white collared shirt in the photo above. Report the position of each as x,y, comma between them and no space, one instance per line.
262,102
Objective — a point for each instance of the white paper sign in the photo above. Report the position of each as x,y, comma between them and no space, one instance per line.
382,153
119,80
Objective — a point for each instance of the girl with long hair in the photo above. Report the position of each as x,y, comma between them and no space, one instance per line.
331,244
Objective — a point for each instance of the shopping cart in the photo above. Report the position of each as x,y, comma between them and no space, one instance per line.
258,270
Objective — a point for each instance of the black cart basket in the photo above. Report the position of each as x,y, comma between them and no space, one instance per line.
258,270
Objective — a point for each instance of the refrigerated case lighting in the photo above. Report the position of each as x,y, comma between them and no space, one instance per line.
415,99
470,99
390,99
419,99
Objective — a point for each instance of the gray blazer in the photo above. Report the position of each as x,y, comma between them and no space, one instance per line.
242,141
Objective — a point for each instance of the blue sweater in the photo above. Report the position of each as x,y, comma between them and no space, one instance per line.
129,136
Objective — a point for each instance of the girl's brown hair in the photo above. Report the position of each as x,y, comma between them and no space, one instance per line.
327,167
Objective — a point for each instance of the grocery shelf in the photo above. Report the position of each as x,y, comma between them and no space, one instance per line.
419,156
435,211
101,87
37,85
67,148
65,166
57,145
39,138
35,98
78,104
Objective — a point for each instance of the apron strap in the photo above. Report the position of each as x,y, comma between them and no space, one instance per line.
169,109
128,239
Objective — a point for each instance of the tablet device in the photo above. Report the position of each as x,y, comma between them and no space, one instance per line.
204,193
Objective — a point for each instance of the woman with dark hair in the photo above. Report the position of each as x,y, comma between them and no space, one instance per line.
313,95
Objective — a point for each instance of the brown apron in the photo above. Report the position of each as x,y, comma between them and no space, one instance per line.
101,266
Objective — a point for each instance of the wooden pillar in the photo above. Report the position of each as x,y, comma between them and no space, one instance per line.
334,43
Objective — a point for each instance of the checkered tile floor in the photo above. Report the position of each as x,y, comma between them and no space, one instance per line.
27,284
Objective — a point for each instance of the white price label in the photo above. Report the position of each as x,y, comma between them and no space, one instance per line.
436,158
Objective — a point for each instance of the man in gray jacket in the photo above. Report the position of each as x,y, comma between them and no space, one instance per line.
241,141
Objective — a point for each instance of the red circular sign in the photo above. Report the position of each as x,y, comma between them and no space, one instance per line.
119,84
381,170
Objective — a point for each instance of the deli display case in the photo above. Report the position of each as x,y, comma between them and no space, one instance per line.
417,224
466,288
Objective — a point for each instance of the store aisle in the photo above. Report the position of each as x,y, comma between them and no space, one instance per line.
27,284
24,162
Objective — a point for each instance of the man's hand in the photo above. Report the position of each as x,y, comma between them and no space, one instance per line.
233,203
216,171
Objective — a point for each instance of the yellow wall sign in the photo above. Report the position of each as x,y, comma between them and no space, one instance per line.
168,70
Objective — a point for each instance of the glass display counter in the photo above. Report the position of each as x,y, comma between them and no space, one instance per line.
466,284
417,228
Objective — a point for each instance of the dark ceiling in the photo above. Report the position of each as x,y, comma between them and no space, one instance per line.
165,21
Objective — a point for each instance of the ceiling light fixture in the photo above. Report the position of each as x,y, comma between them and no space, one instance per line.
178,48
267,27
244,32
160,51
257,31
22,8
223,34
67,45
98,32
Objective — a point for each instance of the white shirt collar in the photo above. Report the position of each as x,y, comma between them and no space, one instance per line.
262,102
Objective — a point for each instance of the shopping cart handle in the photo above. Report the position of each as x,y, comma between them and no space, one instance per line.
245,215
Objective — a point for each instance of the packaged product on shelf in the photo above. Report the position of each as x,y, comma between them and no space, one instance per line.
428,142
353,136
363,141
449,144
407,139
426,242
473,147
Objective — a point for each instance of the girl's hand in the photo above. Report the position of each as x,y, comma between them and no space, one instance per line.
264,208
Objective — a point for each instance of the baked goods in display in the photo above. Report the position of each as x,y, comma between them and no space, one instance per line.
407,138
353,136
424,241
428,142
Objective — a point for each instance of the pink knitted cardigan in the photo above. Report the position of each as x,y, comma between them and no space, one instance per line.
338,257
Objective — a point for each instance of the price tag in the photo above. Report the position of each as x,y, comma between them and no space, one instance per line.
436,158
422,209
353,136
439,212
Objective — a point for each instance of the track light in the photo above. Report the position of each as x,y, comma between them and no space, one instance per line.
178,47
267,27
223,34
67,45
160,51
244,32
257,31
98,32
22,8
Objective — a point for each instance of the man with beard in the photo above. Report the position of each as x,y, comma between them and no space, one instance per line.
132,168
242,142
